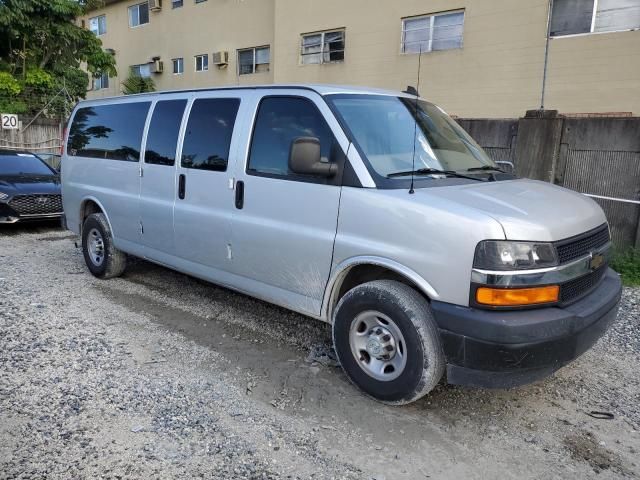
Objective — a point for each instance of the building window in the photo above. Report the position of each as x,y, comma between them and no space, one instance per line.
202,63
139,14
571,17
101,82
323,47
176,3
441,31
253,60
98,25
178,66
143,70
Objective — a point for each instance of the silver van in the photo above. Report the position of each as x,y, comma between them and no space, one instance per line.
371,210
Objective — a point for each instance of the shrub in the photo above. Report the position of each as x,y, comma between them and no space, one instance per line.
9,86
627,264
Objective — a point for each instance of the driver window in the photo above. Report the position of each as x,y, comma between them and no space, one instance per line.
279,122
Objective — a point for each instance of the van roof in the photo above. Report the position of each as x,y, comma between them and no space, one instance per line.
321,89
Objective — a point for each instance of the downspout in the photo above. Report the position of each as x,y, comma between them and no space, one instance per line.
546,54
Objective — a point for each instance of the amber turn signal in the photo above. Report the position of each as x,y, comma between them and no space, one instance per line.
516,297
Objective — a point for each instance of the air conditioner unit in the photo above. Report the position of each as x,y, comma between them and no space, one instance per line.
156,66
221,58
155,5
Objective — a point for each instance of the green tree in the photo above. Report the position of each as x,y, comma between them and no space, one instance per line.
44,49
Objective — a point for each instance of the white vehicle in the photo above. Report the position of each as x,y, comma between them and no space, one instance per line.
371,210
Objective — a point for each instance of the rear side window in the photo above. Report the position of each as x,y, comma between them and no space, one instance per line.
208,136
280,121
108,131
162,139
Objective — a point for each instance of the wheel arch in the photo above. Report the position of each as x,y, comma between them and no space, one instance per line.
88,206
358,270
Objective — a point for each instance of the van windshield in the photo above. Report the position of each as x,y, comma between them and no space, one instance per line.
387,129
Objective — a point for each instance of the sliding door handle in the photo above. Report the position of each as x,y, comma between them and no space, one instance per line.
182,184
239,195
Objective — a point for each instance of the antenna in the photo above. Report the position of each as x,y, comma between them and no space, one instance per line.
416,92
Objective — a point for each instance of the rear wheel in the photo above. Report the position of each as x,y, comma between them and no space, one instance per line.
387,341
102,258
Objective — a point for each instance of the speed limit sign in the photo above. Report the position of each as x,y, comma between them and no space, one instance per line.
9,121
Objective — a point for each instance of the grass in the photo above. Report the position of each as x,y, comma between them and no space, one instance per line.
627,264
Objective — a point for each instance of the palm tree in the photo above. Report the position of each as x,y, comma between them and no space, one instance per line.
137,84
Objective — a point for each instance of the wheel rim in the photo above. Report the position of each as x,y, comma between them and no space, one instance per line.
96,247
378,346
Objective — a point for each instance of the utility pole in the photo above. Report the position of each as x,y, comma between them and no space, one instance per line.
546,54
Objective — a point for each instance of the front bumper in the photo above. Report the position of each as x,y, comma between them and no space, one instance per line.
501,349
29,218
9,215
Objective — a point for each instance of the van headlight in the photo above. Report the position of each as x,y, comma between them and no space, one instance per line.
3,196
506,255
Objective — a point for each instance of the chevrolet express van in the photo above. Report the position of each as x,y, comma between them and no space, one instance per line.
371,210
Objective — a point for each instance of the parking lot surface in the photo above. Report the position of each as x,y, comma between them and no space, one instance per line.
159,375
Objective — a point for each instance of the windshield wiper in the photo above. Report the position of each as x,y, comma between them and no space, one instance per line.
433,171
487,168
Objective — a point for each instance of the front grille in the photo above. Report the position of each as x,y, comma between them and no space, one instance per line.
36,204
578,287
581,245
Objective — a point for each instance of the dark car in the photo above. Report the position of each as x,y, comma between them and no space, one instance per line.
29,188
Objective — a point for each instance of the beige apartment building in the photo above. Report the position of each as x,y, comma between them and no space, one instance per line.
480,58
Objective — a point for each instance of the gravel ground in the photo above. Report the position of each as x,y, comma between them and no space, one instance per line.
158,375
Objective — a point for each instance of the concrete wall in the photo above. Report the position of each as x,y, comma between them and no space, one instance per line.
601,156
498,136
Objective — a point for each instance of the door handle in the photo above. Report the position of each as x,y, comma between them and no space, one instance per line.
239,194
182,181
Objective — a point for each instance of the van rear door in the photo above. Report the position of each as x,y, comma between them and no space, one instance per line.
284,225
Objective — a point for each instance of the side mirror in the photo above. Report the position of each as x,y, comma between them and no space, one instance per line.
304,158
511,168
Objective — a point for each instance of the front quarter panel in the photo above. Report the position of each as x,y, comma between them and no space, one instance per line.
429,236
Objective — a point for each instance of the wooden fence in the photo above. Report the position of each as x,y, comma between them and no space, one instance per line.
43,137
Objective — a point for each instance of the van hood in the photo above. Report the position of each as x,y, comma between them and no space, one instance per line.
528,209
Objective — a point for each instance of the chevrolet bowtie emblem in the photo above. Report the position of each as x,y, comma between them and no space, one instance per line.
597,259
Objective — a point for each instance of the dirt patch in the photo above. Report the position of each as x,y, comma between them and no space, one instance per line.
584,446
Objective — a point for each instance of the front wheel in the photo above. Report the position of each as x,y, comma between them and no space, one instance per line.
387,341
102,258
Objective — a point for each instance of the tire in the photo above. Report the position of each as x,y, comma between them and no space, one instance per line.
102,258
405,360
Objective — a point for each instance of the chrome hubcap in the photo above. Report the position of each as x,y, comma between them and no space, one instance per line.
96,247
377,345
